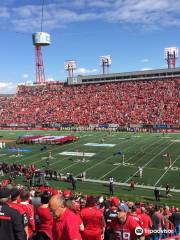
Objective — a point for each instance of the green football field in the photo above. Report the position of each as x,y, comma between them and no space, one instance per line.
140,150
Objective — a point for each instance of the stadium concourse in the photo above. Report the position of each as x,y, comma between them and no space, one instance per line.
128,102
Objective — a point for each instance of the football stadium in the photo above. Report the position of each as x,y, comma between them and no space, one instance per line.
101,131
95,156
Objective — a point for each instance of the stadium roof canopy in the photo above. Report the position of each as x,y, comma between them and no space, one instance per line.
126,76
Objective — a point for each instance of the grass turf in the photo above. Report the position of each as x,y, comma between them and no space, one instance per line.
141,149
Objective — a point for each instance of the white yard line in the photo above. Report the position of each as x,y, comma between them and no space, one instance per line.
69,166
166,171
54,154
128,160
71,156
127,185
87,169
149,161
102,160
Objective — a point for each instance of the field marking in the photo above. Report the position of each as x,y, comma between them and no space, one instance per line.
62,169
42,153
80,162
151,150
77,154
60,160
102,160
87,169
100,144
127,161
94,136
149,161
105,158
166,171
127,185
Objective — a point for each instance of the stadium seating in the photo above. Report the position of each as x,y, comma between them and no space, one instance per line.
135,102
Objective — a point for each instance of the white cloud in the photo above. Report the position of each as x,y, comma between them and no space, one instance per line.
4,12
145,60
25,75
7,87
85,71
57,14
51,79
145,69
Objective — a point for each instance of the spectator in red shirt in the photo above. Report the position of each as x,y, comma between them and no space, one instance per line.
29,210
135,216
146,222
75,208
65,226
45,219
124,226
13,203
93,220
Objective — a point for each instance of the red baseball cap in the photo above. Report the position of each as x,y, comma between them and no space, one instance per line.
67,193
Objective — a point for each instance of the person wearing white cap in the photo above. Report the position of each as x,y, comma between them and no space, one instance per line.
124,227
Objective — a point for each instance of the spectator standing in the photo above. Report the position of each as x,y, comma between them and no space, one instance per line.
93,220
176,221
11,225
13,203
111,186
157,194
146,222
45,219
124,226
65,226
29,210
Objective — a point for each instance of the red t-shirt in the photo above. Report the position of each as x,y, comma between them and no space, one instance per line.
136,217
46,221
20,209
93,222
146,223
126,231
17,206
67,227
29,210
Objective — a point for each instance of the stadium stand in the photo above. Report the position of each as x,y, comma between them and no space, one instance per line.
122,102
96,216
130,102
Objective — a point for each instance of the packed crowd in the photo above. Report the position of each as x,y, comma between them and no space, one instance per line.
135,102
16,169
44,213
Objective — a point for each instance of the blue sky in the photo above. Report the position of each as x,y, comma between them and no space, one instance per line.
133,32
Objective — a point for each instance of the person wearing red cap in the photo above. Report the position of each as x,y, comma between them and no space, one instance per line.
124,227
93,220
65,226
67,194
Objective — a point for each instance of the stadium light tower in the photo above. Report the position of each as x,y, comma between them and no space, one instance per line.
70,66
105,62
171,55
40,39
